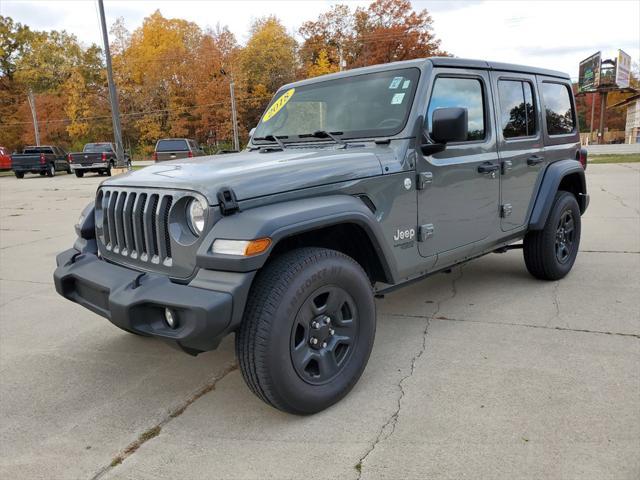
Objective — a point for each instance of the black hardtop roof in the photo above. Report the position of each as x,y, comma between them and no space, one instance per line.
449,62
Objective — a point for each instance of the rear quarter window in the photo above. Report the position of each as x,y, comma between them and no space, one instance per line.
558,109
172,146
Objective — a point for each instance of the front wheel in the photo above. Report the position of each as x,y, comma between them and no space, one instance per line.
307,331
550,253
79,173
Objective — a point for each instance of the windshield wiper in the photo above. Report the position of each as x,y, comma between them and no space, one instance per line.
273,138
324,134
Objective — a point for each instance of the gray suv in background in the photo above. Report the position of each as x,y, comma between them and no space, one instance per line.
352,185
176,148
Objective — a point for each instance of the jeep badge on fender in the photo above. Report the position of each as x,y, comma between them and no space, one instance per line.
286,243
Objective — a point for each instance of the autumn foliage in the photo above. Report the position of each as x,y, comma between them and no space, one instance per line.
173,77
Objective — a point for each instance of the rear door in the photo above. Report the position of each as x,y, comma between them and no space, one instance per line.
520,145
459,188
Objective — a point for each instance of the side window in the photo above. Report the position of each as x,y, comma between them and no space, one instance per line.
558,110
460,92
517,112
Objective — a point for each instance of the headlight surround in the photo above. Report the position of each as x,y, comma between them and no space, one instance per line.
196,214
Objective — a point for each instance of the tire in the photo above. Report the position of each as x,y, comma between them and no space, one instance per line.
306,294
550,253
51,171
19,174
42,174
108,170
101,172
79,173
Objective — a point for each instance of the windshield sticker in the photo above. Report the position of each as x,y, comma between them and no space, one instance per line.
397,99
405,85
395,83
278,104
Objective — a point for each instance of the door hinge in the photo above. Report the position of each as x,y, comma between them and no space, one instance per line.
506,166
425,232
424,179
505,210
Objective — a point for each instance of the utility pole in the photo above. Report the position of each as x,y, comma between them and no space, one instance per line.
113,94
34,115
603,106
234,113
593,114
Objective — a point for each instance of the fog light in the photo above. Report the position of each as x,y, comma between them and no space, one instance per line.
171,317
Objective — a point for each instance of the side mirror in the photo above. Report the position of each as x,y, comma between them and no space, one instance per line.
447,125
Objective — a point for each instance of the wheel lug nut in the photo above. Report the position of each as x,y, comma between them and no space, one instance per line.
313,341
324,344
315,325
332,331
328,321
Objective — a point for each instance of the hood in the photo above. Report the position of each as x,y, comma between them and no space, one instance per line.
255,174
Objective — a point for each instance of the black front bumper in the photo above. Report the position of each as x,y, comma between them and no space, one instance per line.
136,301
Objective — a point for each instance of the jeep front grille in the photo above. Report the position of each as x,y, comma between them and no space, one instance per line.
135,224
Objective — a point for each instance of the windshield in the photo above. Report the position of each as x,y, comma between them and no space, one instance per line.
97,148
368,105
172,146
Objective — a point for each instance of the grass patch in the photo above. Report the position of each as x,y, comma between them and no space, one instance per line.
624,158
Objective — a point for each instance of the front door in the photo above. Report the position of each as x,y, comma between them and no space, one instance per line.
520,145
458,196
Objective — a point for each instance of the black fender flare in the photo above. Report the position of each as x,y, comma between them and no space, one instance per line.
548,188
281,220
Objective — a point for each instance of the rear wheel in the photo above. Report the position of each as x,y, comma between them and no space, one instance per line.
307,331
79,173
550,253
51,170
19,174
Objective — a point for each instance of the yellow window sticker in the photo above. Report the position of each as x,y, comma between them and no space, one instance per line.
278,104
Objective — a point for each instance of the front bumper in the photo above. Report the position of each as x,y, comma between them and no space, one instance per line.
136,301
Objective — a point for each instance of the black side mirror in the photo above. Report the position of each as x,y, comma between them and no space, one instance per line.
447,125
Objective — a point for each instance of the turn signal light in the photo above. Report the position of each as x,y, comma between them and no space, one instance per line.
244,248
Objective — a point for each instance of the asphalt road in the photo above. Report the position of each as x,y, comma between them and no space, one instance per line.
481,373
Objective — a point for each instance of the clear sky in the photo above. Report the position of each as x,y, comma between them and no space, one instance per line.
546,33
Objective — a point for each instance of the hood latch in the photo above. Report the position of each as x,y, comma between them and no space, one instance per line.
228,202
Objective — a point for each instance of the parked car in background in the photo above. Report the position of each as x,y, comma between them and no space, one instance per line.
175,148
95,157
5,159
45,160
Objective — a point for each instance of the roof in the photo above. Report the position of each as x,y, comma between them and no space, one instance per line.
486,65
625,101
450,62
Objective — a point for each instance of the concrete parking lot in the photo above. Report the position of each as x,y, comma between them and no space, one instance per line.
481,373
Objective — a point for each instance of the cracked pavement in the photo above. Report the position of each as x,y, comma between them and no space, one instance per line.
480,373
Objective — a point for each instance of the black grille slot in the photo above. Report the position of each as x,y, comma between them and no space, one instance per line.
136,224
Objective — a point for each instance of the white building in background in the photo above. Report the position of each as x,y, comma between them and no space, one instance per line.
632,128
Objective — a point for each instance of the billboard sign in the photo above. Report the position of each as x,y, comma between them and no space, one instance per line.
589,73
623,68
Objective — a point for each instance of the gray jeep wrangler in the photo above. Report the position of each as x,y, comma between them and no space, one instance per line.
352,184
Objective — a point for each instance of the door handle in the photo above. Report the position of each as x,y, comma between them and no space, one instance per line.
534,160
488,168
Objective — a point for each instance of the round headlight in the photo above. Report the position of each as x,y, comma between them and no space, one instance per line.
195,215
